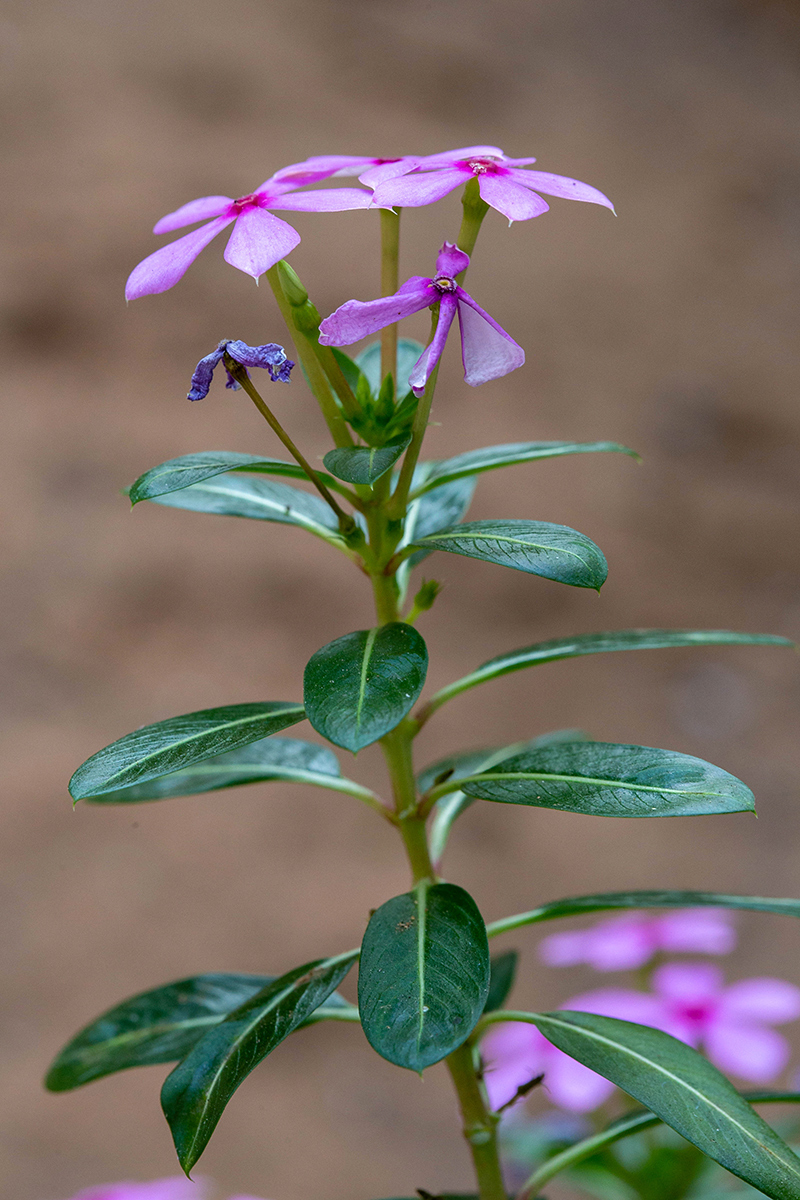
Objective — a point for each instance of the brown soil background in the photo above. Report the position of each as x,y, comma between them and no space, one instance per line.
672,328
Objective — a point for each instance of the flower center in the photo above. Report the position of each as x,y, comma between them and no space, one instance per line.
444,283
479,166
696,1013
250,201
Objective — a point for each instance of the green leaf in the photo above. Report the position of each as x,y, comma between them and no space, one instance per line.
194,1095
442,507
183,472
600,643
682,1088
157,1026
180,742
360,686
603,779
488,458
424,974
369,362
503,971
350,368
259,499
576,906
552,551
364,464
271,758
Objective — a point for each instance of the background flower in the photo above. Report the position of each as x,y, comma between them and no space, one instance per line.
624,943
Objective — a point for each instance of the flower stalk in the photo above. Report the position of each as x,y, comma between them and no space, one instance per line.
390,281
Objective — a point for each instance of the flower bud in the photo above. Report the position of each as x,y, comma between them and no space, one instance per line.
293,289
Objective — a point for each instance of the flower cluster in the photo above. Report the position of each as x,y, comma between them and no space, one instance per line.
688,1000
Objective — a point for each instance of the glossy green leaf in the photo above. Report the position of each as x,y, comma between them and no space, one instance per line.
369,363
424,974
260,499
438,509
536,547
624,1126
503,971
489,458
364,464
682,1088
600,643
360,686
270,759
183,472
577,906
603,779
178,743
195,1094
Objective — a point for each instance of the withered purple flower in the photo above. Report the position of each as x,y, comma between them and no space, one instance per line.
270,356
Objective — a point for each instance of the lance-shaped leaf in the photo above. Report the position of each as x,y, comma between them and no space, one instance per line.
261,499
364,464
180,473
682,1088
162,1025
424,974
602,779
536,547
599,643
360,686
576,906
178,743
194,1095
489,458
438,509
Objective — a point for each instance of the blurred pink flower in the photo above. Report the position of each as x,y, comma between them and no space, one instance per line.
502,184
174,1188
623,943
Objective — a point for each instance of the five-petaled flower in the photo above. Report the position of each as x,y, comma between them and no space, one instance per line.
271,357
501,181
627,942
487,351
257,242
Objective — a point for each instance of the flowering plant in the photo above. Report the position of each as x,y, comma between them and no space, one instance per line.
428,990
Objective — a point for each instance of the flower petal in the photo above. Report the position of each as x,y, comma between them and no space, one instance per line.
324,200
157,1189
560,185
322,166
426,363
573,1086
451,261
195,210
770,1000
433,162
513,201
356,319
564,949
203,372
688,982
623,1003
620,945
517,162
752,1052
388,170
258,241
695,931
270,357
487,351
162,270
514,1053
412,191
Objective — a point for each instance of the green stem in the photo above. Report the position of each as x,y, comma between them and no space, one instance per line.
315,375
390,281
475,209
480,1125
399,501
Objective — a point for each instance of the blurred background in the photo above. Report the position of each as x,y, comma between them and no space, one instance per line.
671,328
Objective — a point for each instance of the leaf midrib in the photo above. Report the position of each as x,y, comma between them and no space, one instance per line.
421,896
583,779
369,646
497,537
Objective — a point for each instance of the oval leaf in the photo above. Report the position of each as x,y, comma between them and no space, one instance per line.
600,643
363,464
536,547
575,906
180,473
489,458
194,1095
682,1088
179,742
602,779
360,686
271,758
424,974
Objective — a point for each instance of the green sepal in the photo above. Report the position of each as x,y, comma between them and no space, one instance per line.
360,686
424,974
364,464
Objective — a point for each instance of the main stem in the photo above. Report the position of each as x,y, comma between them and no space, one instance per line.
479,1123
390,281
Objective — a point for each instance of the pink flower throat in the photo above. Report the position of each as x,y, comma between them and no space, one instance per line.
251,201
445,283
479,166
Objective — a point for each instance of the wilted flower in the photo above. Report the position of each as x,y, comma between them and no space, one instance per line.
624,943
487,351
257,242
502,184
271,357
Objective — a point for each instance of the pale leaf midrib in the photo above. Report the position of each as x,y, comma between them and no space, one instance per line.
546,776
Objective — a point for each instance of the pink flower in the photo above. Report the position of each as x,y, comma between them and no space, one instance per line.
323,166
503,185
487,351
257,242
158,1189
626,942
